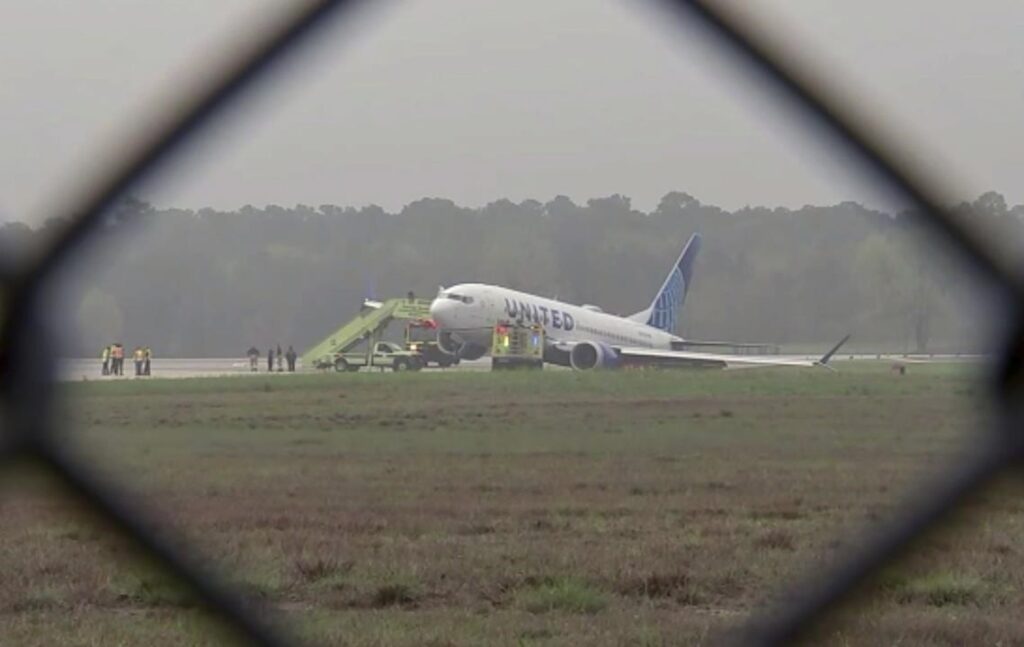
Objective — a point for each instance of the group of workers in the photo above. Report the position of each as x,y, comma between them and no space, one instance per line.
273,354
113,360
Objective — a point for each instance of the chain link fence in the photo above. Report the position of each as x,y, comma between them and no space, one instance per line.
29,412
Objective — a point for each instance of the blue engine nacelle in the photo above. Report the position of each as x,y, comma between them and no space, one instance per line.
593,354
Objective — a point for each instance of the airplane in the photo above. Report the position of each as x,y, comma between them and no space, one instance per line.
585,337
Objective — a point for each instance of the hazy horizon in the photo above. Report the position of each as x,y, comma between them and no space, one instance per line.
477,101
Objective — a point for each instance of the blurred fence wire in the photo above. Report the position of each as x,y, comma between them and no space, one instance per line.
26,384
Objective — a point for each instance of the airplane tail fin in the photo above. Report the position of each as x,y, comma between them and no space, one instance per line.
663,313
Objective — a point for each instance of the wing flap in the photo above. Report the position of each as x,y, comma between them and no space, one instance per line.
707,360
721,360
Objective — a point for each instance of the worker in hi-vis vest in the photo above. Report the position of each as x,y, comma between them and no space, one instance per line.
139,356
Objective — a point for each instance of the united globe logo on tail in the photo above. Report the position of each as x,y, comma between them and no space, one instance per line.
664,315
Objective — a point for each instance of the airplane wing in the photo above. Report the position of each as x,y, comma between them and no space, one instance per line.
720,360
682,358
696,344
707,360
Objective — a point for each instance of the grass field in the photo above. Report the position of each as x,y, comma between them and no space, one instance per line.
629,508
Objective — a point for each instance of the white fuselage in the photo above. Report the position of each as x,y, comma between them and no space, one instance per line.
471,310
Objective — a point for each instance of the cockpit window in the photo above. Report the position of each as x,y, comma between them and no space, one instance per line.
459,297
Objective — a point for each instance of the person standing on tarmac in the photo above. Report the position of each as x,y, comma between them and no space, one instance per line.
254,359
270,360
117,359
291,357
147,360
139,357
280,360
105,356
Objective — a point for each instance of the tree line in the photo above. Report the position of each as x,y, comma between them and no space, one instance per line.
213,283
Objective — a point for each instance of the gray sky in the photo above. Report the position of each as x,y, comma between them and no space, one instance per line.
478,99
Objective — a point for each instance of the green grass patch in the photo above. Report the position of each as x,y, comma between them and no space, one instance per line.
563,594
942,589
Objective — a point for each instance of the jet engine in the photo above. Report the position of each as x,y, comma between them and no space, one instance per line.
472,351
589,355
446,343
461,350
556,356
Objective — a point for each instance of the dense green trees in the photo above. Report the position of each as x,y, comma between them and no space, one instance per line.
213,283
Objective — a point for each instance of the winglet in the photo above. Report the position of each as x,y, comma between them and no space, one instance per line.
827,356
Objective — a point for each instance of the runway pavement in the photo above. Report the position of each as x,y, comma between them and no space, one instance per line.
72,370
89,369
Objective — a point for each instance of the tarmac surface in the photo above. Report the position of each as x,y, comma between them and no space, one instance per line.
72,370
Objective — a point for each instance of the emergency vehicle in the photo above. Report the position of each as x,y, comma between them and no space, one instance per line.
421,337
382,355
515,345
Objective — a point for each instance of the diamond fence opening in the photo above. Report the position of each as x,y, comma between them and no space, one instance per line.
27,395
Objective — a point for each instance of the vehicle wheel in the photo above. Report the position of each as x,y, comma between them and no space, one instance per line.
341,365
351,368
418,364
401,364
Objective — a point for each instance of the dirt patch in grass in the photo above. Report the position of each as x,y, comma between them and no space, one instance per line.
677,586
776,539
394,594
315,569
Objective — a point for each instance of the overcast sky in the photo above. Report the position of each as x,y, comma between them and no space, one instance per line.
482,99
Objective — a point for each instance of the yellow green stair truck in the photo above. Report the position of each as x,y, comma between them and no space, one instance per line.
343,350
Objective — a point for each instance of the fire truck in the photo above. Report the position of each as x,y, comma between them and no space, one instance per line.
421,337
516,345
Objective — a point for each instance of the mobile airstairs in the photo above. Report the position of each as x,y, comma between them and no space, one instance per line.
368,325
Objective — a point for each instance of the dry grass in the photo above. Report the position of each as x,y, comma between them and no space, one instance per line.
631,508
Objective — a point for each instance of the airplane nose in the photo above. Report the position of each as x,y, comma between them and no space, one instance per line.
440,311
